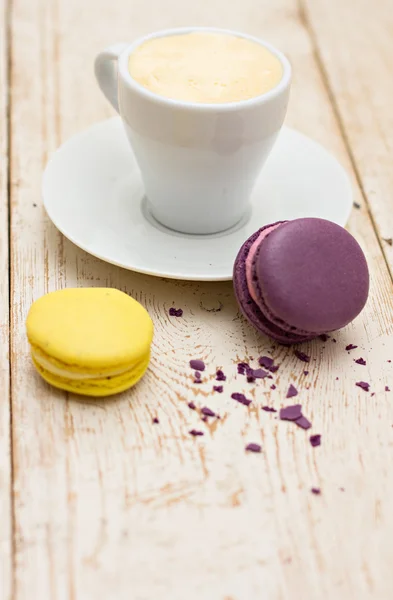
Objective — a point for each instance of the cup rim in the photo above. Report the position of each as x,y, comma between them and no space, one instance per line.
201,106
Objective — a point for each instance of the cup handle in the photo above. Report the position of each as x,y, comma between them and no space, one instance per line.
106,72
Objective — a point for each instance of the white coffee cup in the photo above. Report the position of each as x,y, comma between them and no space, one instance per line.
199,162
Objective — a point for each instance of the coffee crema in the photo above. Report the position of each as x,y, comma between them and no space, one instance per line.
207,68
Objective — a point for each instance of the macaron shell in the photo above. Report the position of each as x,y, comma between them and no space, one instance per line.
91,328
313,275
248,307
97,387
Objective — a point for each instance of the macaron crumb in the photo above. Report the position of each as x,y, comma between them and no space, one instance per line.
196,432
266,361
316,491
291,413
269,409
302,356
242,368
360,361
364,385
292,391
218,388
387,389
306,373
350,347
324,337
220,376
175,312
259,373
303,423
155,421
197,365
252,447
273,387
241,398
191,405
315,440
208,412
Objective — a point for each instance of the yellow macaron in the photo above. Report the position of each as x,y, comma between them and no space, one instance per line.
91,341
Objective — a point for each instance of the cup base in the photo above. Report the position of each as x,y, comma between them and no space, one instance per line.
148,213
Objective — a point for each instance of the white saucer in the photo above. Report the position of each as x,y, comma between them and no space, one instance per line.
94,195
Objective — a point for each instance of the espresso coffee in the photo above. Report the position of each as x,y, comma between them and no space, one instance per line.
205,67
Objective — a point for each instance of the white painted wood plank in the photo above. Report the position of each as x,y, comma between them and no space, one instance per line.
5,457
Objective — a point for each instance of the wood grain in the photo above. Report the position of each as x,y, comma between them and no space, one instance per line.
358,70
107,504
5,455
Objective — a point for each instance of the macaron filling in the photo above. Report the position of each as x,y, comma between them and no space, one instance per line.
252,254
67,372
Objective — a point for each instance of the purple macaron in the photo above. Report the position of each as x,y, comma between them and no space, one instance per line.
295,280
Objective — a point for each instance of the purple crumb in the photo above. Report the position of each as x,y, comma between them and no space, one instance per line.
241,398
306,372
175,312
155,420
291,413
253,447
197,365
324,337
350,347
387,389
315,440
204,418
269,409
274,368
273,387
242,368
334,340
259,373
207,412
197,380
364,385
303,423
292,391
191,405
360,361
266,361
196,432
373,394
218,388
197,375
315,491
302,356
220,376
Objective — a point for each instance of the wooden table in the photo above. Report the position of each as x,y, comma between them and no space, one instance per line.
96,502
